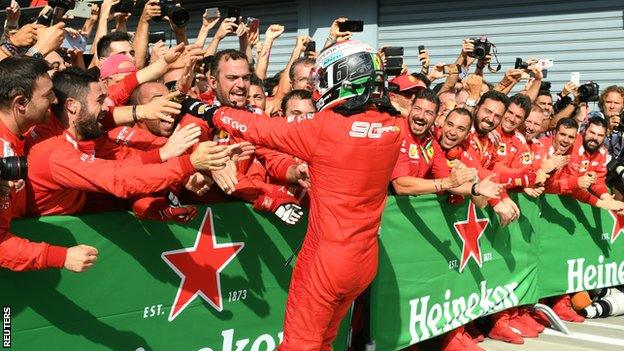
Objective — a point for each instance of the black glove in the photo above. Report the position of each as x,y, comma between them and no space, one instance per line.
199,109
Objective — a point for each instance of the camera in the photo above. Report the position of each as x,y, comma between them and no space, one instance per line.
521,64
124,6
178,15
13,167
64,4
59,8
610,305
589,92
482,48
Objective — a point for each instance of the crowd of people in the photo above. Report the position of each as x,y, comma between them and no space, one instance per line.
157,130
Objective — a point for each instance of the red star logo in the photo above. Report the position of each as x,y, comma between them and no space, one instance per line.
618,225
199,267
469,232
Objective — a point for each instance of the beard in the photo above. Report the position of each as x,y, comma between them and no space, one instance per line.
589,148
88,126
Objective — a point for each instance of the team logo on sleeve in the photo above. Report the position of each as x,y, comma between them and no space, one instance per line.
526,158
584,165
413,151
502,149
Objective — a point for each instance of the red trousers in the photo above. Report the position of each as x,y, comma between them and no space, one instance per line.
324,285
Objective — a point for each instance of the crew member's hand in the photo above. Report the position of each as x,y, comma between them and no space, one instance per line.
181,139
584,182
541,177
554,162
534,192
241,151
460,175
514,208
199,183
80,258
505,214
226,178
289,213
488,188
208,156
299,174
160,108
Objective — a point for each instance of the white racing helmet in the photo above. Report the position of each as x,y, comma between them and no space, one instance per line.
347,77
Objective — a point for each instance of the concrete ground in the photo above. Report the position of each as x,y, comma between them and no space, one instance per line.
602,334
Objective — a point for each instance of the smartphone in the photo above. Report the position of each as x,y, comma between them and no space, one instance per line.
421,48
253,24
575,77
124,6
545,63
70,42
351,26
82,9
451,69
154,37
212,12
233,12
310,47
394,65
393,51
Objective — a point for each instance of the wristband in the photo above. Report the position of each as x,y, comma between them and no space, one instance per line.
437,186
134,114
473,190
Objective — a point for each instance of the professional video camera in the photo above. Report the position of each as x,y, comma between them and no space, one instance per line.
610,304
178,15
13,168
589,92
482,48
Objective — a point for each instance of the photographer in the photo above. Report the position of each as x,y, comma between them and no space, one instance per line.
25,95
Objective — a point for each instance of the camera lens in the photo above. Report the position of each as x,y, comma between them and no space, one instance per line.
178,15
13,168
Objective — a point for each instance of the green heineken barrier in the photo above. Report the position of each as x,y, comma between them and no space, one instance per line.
441,266
217,283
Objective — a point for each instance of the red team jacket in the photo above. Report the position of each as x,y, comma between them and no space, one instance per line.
17,253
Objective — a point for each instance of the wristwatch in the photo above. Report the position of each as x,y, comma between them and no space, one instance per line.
471,102
34,53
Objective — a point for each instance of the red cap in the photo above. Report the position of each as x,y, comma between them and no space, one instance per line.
111,64
407,82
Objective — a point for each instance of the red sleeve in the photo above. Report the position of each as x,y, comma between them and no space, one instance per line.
118,177
120,93
439,166
206,131
584,196
276,163
136,138
19,254
600,187
297,138
402,167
